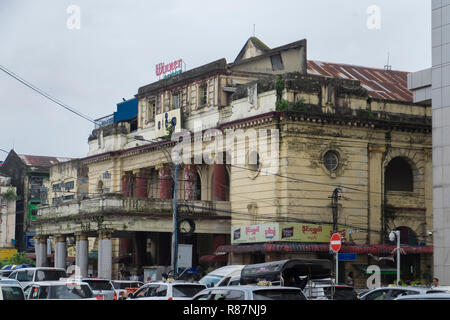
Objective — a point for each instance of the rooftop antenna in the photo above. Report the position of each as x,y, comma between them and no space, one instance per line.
388,66
254,29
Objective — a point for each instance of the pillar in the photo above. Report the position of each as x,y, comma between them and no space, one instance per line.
375,193
60,251
165,183
126,186
141,184
219,183
82,254
105,255
190,182
41,251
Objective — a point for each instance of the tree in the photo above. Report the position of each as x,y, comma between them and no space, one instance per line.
18,258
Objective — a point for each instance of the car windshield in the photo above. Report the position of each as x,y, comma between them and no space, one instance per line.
124,285
278,294
12,293
67,291
99,284
181,290
50,275
208,279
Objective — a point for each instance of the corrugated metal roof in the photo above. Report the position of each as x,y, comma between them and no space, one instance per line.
42,161
381,84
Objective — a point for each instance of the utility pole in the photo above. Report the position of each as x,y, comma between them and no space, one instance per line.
335,207
175,225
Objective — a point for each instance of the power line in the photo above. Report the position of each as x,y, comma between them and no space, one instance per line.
4,151
46,95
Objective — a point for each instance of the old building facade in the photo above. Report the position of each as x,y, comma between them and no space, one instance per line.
351,153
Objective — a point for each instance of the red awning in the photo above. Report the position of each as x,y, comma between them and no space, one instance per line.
300,247
214,258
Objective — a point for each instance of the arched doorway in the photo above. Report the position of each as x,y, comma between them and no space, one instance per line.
399,176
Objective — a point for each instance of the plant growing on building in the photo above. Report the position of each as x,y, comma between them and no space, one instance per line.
279,87
169,130
10,195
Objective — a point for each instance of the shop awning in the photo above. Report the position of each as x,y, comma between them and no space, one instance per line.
214,258
302,247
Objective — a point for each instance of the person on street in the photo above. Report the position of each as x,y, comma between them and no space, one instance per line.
350,279
435,283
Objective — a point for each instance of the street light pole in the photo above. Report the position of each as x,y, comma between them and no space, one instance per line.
174,259
392,236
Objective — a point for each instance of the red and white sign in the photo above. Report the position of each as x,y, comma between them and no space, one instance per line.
336,242
162,68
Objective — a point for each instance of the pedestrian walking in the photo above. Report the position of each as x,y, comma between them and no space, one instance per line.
350,279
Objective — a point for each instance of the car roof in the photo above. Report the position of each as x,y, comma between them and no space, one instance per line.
176,282
127,281
226,270
39,268
253,287
56,282
428,296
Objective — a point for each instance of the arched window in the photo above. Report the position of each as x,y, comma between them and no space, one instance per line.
407,236
399,176
198,188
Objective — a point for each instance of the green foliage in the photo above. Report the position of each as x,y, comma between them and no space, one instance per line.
169,130
18,258
10,195
279,87
282,105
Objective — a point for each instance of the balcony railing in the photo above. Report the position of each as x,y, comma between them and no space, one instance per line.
115,204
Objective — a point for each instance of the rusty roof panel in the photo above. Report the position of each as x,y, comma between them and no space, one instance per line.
381,84
42,161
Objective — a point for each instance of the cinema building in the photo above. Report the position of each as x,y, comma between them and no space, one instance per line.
352,153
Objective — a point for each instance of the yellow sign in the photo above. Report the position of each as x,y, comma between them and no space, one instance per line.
6,254
284,232
165,120
301,232
71,251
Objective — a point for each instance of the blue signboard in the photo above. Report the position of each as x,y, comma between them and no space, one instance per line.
30,240
347,256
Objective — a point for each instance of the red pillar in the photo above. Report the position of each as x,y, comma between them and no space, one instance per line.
190,182
126,191
141,185
219,183
165,184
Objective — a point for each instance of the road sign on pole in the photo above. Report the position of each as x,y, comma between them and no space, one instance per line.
335,245
336,242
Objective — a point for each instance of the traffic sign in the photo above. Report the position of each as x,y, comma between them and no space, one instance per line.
336,242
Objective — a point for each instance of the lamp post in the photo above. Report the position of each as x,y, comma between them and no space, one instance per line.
175,215
392,236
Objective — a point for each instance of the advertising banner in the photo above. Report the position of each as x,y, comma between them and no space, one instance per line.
255,233
284,232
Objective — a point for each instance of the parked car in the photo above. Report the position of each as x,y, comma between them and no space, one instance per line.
28,275
391,293
221,276
326,290
10,290
169,290
427,296
249,292
124,287
59,290
103,289
5,273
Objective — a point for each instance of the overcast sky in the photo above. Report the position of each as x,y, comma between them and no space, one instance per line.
119,43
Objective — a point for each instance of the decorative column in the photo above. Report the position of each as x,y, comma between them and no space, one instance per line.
41,251
126,190
190,182
60,251
141,184
165,183
219,183
105,255
375,193
82,254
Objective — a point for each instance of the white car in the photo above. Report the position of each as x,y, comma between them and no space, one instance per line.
169,290
103,289
59,290
29,275
10,290
222,276
124,287
251,292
